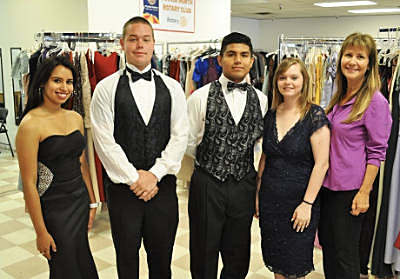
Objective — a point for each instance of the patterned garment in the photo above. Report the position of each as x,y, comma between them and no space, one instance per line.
285,179
227,148
45,177
77,103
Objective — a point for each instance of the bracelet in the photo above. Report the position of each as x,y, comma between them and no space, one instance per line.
309,203
94,205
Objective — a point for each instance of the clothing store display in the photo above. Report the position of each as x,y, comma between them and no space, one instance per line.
65,202
105,65
319,56
379,267
90,70
85,87
206,70
77,97
392,256
288,166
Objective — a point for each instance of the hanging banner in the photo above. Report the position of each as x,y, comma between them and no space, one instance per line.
170,15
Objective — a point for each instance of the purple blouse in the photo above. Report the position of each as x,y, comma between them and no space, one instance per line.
357,144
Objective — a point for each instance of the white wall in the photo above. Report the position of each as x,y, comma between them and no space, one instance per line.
212,19
323,27
20,20
250,27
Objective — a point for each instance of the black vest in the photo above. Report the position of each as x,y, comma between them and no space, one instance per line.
227,148
142,144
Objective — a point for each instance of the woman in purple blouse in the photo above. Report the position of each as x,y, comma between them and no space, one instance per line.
360,127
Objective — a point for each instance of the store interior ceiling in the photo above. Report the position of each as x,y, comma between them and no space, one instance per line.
279,9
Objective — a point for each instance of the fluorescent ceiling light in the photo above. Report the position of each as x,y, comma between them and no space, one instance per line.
344,4
373,11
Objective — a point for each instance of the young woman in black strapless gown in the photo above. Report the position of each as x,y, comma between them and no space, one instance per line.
56,182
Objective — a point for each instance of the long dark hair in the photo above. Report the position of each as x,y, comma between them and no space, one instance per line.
42,75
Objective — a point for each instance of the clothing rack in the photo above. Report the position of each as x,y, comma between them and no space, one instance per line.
168,44
306,41
389,29
321,41
77,37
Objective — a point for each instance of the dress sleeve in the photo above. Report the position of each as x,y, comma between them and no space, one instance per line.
318,118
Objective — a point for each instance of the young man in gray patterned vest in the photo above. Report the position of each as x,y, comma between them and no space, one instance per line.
226,120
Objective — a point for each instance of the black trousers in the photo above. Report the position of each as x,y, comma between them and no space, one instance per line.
339,235
220,217
368,228
155,222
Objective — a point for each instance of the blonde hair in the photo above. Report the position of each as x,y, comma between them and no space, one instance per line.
305,99
371,82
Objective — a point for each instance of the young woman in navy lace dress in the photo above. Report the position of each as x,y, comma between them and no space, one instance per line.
291,171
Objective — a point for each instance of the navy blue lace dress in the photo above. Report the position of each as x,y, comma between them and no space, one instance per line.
288,167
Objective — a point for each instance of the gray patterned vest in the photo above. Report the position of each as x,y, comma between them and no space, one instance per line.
227,148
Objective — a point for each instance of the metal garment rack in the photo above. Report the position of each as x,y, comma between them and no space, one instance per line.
304,41
89,37
318,41
168,44
389,29
77,37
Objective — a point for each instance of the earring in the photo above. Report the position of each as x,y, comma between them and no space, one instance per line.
40,92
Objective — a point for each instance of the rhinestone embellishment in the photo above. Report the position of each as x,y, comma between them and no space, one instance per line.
45,177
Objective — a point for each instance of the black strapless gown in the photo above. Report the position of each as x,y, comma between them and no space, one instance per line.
65,205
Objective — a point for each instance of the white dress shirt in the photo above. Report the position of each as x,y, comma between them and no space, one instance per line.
197,108
113,158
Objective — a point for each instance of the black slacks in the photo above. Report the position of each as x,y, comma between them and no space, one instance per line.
368,228
155,222
220,217
339,235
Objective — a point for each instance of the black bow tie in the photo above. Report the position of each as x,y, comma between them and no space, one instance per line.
241,86
136,76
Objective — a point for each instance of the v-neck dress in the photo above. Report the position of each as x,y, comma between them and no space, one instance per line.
288,166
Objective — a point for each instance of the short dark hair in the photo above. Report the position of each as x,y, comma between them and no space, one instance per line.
235,38
136,19
42,75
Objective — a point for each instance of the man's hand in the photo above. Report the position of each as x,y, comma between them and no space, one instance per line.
145,187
